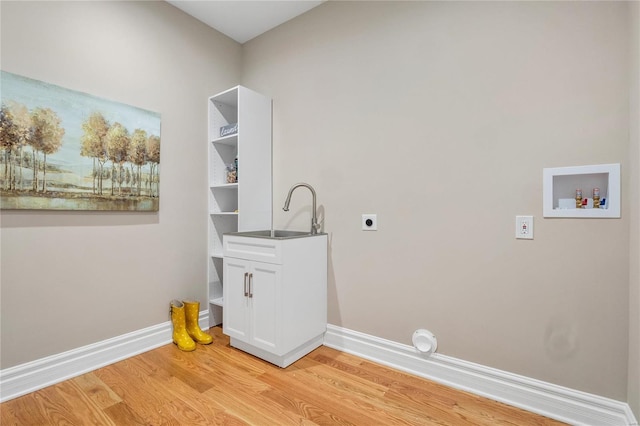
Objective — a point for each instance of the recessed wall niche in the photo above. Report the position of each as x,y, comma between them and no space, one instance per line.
561,183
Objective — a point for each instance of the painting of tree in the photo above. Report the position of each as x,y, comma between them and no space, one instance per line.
94,146
65,150
46,138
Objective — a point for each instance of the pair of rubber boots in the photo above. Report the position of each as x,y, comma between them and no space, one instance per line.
186,330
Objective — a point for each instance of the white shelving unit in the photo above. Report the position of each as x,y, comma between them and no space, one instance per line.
247,204
562,182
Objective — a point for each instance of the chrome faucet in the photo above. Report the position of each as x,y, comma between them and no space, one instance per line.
314,219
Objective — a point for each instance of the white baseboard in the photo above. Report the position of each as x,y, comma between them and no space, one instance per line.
557,402
25,378
560,403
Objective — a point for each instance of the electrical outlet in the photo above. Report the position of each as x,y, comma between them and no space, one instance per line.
524,227
369,222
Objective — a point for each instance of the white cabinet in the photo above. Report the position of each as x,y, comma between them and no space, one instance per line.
246,204
275,295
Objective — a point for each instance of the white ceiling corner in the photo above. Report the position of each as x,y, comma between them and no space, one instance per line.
243,20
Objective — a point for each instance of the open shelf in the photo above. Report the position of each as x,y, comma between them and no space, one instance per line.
225,186
231,140
561,183
217,301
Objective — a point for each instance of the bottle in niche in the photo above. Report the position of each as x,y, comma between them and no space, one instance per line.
596,198
578,198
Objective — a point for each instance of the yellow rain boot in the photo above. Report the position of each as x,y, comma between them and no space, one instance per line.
192,311
180,335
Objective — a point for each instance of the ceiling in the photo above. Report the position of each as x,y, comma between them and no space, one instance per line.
243,20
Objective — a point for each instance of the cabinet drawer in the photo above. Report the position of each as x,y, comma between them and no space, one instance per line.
259,249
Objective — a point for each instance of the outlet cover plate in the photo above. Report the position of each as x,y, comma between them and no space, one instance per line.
369,222
524,227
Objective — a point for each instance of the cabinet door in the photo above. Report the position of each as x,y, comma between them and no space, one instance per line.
265,305
235,314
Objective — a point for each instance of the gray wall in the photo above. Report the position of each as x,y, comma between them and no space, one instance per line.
70,278
634,201
439,117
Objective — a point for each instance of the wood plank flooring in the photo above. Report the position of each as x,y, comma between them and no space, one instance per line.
220,385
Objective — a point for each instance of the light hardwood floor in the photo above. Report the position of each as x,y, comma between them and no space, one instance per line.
219,385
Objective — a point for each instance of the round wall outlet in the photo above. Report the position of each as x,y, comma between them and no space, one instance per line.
369,222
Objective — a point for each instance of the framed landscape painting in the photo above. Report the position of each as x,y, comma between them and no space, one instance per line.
65,150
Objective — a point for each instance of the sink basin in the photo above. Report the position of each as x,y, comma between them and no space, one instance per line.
275,234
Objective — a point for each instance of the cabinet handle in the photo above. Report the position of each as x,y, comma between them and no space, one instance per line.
246,292
250,285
